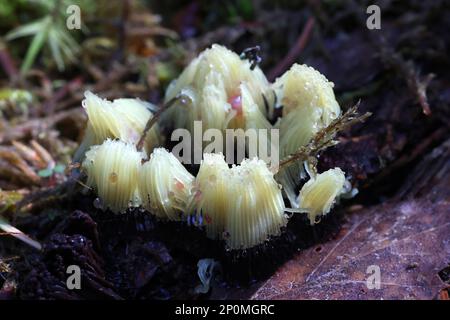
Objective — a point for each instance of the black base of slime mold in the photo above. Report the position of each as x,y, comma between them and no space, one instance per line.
259,262
239,267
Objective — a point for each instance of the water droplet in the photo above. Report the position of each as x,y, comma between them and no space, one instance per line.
98,203
113,177
185,99
236,104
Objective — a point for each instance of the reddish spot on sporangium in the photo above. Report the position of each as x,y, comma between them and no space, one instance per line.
179,185
198,195
208,219
236,103
133,135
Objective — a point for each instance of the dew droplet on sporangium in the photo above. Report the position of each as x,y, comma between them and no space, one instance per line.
98,203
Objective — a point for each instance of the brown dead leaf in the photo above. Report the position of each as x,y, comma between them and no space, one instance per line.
407,237
409,241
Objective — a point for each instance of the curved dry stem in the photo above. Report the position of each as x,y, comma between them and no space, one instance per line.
181,98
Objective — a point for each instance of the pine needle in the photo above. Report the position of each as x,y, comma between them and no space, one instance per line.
10,230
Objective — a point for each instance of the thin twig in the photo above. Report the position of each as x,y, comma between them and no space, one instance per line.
181,97
325,137
407,70
294,52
